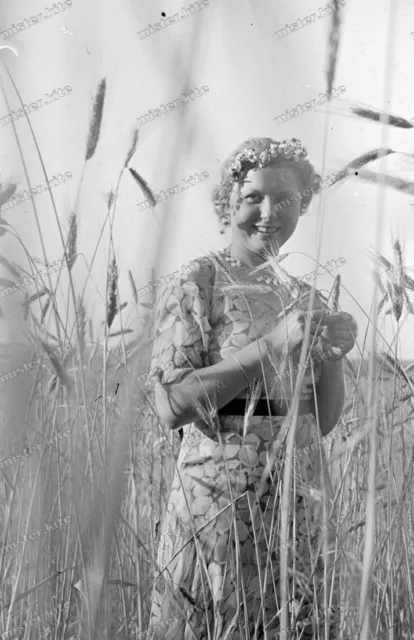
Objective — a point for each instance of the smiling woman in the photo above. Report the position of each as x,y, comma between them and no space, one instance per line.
231,329
294,186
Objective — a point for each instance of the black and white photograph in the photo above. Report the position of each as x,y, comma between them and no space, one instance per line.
206,320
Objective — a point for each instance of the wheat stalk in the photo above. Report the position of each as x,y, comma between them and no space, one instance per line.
112,294
334,40
71,253
81,312
133,287
96,121
376,115
143,185
133,147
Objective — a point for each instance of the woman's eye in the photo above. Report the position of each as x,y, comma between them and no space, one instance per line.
253,198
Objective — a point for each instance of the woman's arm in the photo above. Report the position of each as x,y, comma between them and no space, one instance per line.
330,395
340,331
221,382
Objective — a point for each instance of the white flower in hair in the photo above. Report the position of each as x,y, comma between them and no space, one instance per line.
291,149
251,154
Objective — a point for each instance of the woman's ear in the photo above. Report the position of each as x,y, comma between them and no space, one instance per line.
235,200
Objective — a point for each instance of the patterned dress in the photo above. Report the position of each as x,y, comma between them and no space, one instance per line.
219,564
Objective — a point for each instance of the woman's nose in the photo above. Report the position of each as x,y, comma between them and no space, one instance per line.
268,209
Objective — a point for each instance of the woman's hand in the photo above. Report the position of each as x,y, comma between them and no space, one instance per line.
289,332
340,332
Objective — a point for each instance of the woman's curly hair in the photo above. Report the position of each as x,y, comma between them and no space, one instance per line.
306,173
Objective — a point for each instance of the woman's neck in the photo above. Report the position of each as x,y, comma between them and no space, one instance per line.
249,258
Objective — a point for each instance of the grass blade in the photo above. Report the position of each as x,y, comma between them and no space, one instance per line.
7,193
133,148
390,181
360,161
95,126
143,186
334,39
375,115
112,295
71,242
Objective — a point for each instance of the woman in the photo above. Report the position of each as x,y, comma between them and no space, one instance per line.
231,331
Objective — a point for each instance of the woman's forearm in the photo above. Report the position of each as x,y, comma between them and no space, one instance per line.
330,395
219,384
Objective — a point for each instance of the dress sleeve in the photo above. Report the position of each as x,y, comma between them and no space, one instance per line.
182,328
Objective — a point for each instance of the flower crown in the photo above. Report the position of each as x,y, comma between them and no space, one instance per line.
291,149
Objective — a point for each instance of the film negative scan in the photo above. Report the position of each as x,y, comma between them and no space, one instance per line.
206,320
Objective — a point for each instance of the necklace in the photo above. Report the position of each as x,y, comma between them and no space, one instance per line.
229,258
225,253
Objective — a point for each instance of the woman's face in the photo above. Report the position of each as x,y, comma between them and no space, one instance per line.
268,211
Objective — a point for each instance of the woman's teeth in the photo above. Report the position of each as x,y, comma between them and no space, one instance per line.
267,230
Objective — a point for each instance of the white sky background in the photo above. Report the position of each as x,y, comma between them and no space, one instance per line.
252,78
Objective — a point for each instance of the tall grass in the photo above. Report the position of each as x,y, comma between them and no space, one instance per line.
104,561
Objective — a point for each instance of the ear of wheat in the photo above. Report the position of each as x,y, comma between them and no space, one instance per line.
96,121
112,294
143,186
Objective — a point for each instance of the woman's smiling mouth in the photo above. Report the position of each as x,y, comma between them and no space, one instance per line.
264,230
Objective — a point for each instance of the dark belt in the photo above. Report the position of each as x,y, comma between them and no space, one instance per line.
237,407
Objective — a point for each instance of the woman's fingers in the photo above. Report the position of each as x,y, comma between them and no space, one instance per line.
318,315
342,320
341,334
333,341
293,326
318,321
